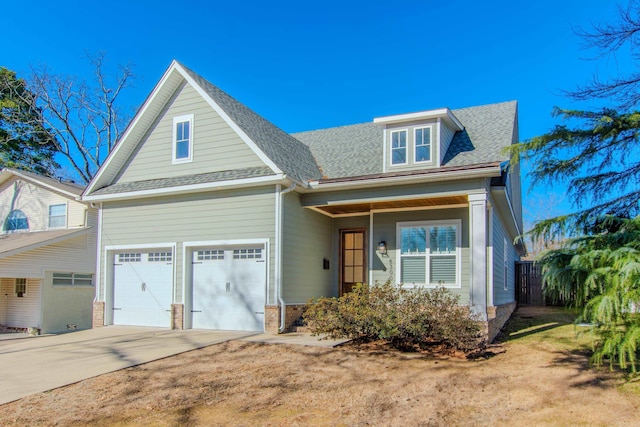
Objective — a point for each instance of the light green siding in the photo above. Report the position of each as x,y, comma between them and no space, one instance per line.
307,241
216,146
384,266
500,295
224,215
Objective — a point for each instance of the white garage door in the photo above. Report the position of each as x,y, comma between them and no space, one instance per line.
142,288
229,288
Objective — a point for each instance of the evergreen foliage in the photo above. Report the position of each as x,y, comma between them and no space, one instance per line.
24,142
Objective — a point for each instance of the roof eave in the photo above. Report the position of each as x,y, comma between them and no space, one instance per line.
48,242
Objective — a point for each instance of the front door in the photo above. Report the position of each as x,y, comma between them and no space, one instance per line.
353,260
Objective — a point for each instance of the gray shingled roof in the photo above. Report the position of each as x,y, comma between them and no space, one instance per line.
69,187
356,150
286,152
202,178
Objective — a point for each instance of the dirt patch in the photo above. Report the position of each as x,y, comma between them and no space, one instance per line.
538,376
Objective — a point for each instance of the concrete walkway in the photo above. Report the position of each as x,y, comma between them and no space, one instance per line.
37,364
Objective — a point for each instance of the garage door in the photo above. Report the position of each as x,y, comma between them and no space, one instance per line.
142,288
229,288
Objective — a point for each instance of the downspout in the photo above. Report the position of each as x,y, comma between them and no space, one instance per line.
279,236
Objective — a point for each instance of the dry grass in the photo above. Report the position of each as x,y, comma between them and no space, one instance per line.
539,376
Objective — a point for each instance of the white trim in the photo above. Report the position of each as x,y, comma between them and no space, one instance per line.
485,172
406,147
490,257
99,276
426,224
384,150
161,245
252,145
132,125
193,188
187,118
387,210
431,145
421,115
371,249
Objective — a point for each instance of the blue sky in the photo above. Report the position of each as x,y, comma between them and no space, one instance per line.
310,65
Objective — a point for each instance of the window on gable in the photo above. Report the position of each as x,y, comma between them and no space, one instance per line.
423,145
182,138
57,216
16,221
429,253
399,147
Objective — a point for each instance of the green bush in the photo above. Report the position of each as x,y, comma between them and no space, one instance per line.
406,318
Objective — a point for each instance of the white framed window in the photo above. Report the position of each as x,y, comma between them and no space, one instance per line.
399,147
72,279
429,253
16,221
183,138
422,145
505,259
58,216
20,287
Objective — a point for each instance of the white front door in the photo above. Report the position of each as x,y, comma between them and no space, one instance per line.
143,283
229,288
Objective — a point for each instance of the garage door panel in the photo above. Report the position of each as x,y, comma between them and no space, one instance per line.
143,289
229,289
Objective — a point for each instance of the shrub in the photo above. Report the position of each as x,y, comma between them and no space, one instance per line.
405,318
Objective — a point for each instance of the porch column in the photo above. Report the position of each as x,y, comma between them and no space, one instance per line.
478,246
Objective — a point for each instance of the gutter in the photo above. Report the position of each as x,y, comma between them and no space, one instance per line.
279,236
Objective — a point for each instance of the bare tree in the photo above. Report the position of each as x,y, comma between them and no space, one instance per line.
83,116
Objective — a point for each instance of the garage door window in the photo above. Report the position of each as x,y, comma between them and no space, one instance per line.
160,256
247,254
134,257
210,254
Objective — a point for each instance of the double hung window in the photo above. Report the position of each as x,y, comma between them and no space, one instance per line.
429,253
57,216
183,138
423,145
399,147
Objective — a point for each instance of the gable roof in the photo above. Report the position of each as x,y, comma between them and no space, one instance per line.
356,150
15,243
280,151
68,189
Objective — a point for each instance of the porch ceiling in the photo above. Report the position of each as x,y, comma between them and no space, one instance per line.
356,208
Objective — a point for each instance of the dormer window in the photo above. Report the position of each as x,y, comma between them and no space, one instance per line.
182,138
399,147
423,145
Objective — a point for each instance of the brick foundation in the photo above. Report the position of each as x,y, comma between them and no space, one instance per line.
98,314
292,316
498,316
177,316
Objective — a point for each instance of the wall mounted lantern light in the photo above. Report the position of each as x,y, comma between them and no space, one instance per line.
382,247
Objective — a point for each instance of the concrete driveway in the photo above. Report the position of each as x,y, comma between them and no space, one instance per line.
33,365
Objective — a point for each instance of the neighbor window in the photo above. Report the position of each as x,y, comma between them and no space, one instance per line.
429,253
399,147
72,279
16,221
20,287
423,145
182,138
57,216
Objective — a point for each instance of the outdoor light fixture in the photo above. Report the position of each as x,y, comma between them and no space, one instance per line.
382,247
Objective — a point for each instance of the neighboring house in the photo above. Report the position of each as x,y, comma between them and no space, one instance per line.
212,217
47,253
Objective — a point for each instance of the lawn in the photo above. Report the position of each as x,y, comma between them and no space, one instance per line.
538,376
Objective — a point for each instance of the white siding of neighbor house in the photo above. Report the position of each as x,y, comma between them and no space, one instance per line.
34,202
214,216
307,241
21,312
500,296
216,146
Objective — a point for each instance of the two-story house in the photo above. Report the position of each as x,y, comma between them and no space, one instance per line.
47,254
212,217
